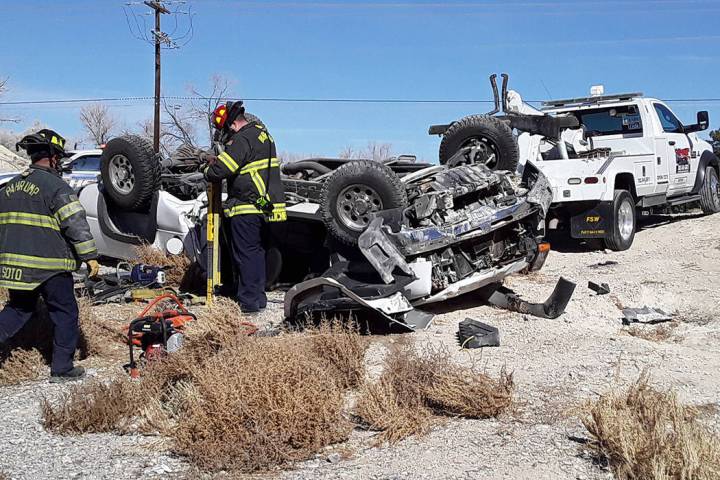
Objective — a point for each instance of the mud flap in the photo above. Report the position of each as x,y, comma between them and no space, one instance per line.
594,222
553,307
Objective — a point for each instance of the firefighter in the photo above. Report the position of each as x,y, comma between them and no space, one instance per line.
255,195
43,237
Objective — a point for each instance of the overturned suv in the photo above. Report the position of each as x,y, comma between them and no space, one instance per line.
408,238
367,237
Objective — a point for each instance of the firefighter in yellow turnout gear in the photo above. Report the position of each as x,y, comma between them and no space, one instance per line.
255,195
43,238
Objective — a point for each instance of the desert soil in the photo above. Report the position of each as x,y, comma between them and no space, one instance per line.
557,364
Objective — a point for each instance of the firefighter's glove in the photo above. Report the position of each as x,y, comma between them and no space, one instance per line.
93,268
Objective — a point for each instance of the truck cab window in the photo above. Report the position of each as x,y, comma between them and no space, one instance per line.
668,120
610,120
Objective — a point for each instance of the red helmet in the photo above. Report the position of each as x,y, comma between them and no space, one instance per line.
225,114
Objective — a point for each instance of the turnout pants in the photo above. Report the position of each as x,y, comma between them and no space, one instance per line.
62,308
249,258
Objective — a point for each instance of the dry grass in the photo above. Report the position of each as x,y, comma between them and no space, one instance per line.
179,264
99,337
22,366
414,386
660,333
95,406
643,433
229,401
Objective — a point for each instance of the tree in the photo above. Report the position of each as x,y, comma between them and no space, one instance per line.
715,141
98,122
178,128
220,86
372,151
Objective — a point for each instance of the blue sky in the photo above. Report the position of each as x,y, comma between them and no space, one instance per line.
371,49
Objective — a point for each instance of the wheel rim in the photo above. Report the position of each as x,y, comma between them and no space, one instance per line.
625,220
121,174
356,203
487,153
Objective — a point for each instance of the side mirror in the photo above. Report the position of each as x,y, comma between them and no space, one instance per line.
703,122
703,119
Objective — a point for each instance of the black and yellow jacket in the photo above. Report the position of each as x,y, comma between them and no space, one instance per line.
245,162
43,229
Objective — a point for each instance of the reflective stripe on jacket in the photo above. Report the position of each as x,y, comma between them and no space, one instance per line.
43,229
250,165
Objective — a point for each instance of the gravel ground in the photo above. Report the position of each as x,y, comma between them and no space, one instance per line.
557,364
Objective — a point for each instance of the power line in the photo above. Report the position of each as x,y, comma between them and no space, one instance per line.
296,100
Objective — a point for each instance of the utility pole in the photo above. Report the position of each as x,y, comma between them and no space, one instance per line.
159,38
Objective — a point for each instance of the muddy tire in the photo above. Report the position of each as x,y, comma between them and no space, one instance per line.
710,192
353,192
623,222
130,172
490,133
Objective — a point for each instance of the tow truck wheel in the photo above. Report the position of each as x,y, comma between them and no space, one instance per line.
623,222
493,138
353,193
710,192
130,172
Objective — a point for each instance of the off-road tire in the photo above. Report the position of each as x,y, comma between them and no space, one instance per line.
709,194
145,170
492,130
363,173
616,240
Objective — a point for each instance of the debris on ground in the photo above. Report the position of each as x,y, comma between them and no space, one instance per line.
475,334
608,263
643,433
599,288
553,307
645,314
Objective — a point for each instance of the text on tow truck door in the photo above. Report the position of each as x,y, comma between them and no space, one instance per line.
674,146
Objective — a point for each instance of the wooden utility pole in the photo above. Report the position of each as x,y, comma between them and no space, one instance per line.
159,37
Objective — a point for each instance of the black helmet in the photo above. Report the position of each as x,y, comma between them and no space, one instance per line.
44,143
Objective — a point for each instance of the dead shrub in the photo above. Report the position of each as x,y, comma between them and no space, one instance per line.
98,337
342,349
643,433
269,402
179,265
95,406
414,385
229,401
22,366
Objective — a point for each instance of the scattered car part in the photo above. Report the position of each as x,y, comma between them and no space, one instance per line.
600,289
609,263
475,334
645,314
553,307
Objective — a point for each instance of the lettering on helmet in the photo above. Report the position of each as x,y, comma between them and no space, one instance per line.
22,186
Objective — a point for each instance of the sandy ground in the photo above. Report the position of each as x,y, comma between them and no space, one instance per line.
557,364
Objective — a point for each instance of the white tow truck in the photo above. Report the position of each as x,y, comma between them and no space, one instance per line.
629,154
608,158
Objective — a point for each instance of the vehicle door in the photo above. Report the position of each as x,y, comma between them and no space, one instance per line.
82,171
673,144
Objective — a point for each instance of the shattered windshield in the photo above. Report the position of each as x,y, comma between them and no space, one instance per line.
610,121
